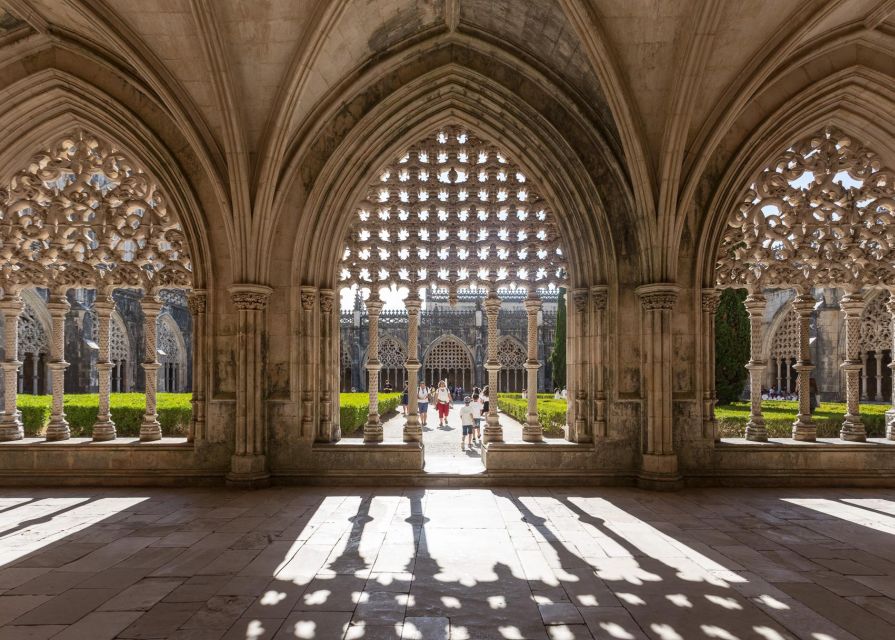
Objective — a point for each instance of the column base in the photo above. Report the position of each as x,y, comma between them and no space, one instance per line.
103,431
58,430
804,429
890,424
373,432
532,433
11,430
413,430
492,432
853,429
248,472
151,429
756,430
658,472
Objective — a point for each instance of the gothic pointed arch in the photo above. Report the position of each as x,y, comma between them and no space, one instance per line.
172,355
447,358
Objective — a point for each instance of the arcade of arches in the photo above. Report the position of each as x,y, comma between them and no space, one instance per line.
267,204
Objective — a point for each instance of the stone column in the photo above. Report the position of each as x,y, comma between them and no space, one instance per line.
308,383
248,465
197,300
710,300
58,306
493,431
755,429
104,428
866,392
532,431
413,431
804,427
373,427
659,459
577,367
890,414
327,430
599,296
778,383
10,421
151,429
878,356
852,305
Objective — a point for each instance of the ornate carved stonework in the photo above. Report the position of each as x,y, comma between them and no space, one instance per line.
197,301
711,298
308,297
250,300
657,297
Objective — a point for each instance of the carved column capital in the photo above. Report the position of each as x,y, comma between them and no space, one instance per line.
579,299
327,300
197,300
711,298
374,306
252,297
308,297
599,295
804,305
659,296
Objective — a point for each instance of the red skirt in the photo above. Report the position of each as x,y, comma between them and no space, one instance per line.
443,409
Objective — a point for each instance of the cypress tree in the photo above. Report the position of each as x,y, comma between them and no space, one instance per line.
732,335
558,355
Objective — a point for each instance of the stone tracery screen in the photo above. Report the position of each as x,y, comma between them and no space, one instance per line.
452,212
448,359
512,357
82,213
392,356
820,214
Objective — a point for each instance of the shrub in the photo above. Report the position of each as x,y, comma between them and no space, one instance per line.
354,407
174,413
780,414
551,413
732,336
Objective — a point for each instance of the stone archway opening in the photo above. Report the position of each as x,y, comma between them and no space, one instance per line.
451,240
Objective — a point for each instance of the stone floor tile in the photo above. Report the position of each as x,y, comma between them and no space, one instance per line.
374,632
884,584
38,632
59,555
394,582
99,625
569,632
426,628
151,558
220,612
880,606
380,607
114,578
181,539
141,596
611,623
560,613
840,611
244,586
161,621
277,601
250,628
229,562
197,589
308,625
50,583
67,608
109,555
14,576
11,607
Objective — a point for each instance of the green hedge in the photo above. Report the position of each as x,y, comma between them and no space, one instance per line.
174,413
354,407
780,414
551,412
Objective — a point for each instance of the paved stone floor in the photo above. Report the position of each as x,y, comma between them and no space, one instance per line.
282,563
443,453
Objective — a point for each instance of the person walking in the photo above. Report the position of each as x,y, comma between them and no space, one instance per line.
422,399
405,400
485,397
477,414
467,420
442,403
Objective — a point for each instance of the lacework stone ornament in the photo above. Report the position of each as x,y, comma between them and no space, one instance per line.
453,212
820,214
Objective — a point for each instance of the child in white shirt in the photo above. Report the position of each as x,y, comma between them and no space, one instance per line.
477,407
467,420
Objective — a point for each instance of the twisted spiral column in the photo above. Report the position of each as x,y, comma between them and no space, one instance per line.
493,431
150,428
532,431
104,428
711,298
373,427
852,427
413,431
10,421
755,304
197,301
58,428
890,414
804,427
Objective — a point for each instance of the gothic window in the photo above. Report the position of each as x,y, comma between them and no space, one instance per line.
82,213
169,355
876,326
392,356
448,359
785,352
32,337
451,212
512,357
818,215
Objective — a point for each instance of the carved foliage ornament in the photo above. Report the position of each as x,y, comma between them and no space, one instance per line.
821,214
84,214
876,326
453,212
249,300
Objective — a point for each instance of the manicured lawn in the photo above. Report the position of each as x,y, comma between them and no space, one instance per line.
780,414
551,412
354,407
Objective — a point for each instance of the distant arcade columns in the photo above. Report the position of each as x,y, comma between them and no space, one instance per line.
599,296
804,427
10,421
104,428
755,306
493,432
532,431
852,305
58,428
711,298
197,301
413,431
373,427
890,414
578,368
328,429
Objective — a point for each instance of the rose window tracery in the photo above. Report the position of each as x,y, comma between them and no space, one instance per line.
83,214
453,212
820,214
